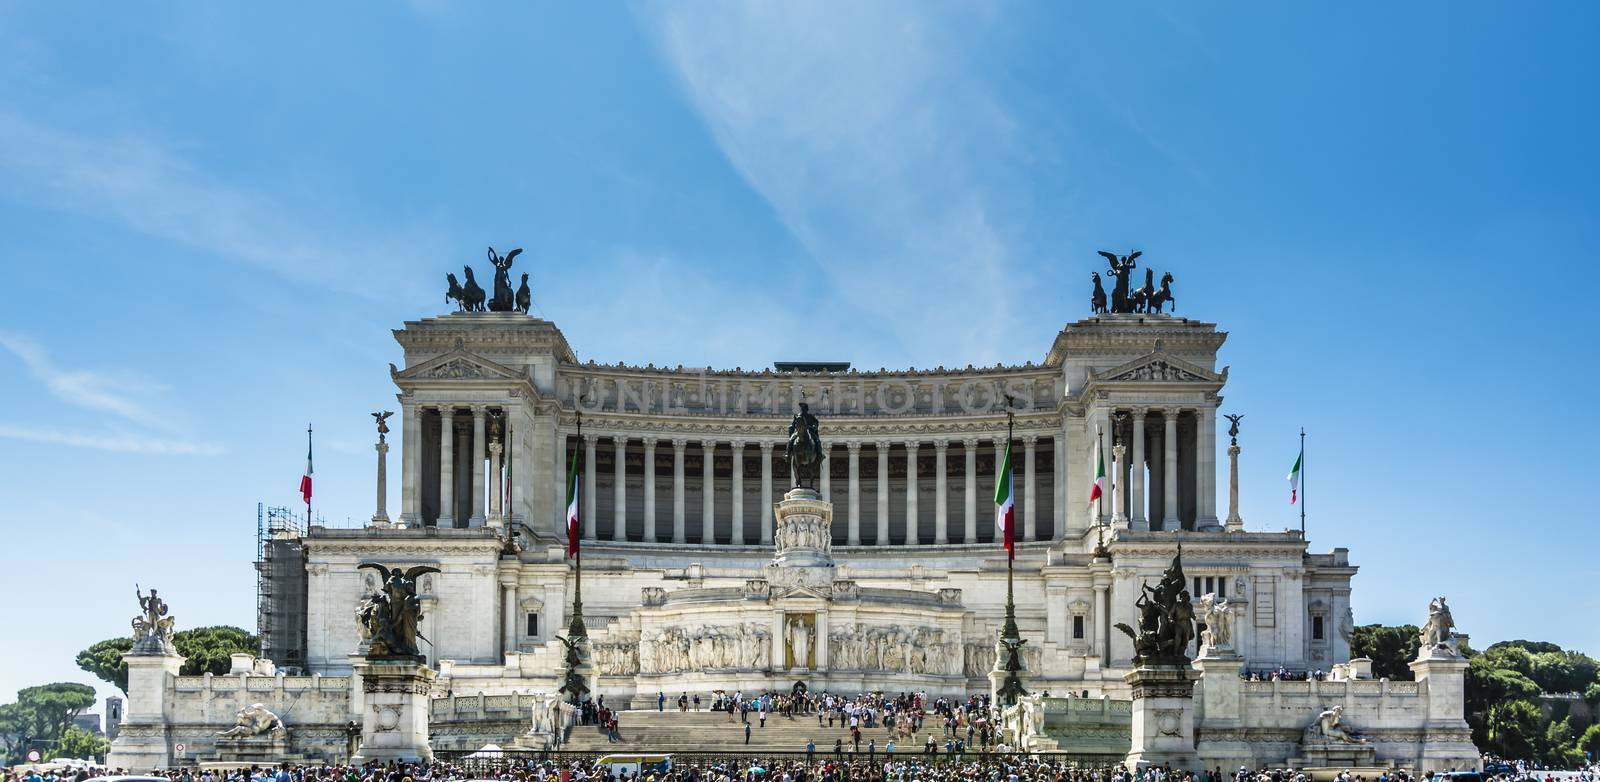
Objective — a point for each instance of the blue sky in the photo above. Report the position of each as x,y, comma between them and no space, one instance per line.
212,215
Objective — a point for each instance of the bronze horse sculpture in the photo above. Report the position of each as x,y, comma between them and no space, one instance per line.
1097,300
1161,297
805,448
471,293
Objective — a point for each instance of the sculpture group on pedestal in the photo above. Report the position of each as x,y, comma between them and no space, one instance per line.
388,618
1439,631
1124,298
1166,620
1022,722
152,629
471,297
1216,615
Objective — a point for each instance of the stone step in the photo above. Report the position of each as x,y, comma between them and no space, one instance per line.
712,731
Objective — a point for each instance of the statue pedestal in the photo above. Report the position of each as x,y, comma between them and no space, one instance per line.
268,749
143,741
394,722
1234,522
1219,707
1162,731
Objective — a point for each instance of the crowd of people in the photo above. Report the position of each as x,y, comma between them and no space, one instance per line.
992,768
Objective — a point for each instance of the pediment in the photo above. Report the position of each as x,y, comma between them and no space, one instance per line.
1158,367
801,592
457,364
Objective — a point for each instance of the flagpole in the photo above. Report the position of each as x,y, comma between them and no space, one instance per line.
576,628
308,467
1302,483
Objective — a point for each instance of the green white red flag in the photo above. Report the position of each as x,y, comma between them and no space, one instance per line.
572,506
1005,505
1294,477
305,480
1098,487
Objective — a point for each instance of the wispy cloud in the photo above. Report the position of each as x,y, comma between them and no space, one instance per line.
83,388
120,442
138,183
865,128
109,393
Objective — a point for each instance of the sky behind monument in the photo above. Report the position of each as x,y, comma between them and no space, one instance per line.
213,216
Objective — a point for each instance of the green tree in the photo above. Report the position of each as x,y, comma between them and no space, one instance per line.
41,714
75,742
1531,647
104,660
1389,648
1590,740
1515,729
15,722
1563,671
207,650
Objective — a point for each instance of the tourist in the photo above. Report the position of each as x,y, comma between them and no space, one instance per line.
661,701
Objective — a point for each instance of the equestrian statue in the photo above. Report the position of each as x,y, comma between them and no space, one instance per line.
805,448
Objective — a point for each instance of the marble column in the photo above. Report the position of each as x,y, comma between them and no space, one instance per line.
913,525
766,493
1235,523
1137,516
1030,507
738,492
463,454
821,644
678,445
1064,503
970,530
411,465
1205,467
649,489
854,532
941,498
1169,473
708,492
825,473
883,493
1119,518
447,463
590,523
1102,624
559,476
479,448
619,488
380,516
1103,508
508,612
496,488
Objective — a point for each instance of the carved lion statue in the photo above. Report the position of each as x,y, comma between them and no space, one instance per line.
254,720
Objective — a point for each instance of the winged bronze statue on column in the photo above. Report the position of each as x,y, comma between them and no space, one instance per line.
389,617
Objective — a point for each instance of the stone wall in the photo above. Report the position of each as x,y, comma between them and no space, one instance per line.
175,720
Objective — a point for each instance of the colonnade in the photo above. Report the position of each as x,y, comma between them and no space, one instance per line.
471,447
852,525
1161,462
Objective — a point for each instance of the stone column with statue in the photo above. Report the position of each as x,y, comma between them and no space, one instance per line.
144,740
1162,679
380,517
395,677
1234,523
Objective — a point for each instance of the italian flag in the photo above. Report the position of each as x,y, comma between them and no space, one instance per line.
1294,477
1005,505
305,480
572,506
1098,487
